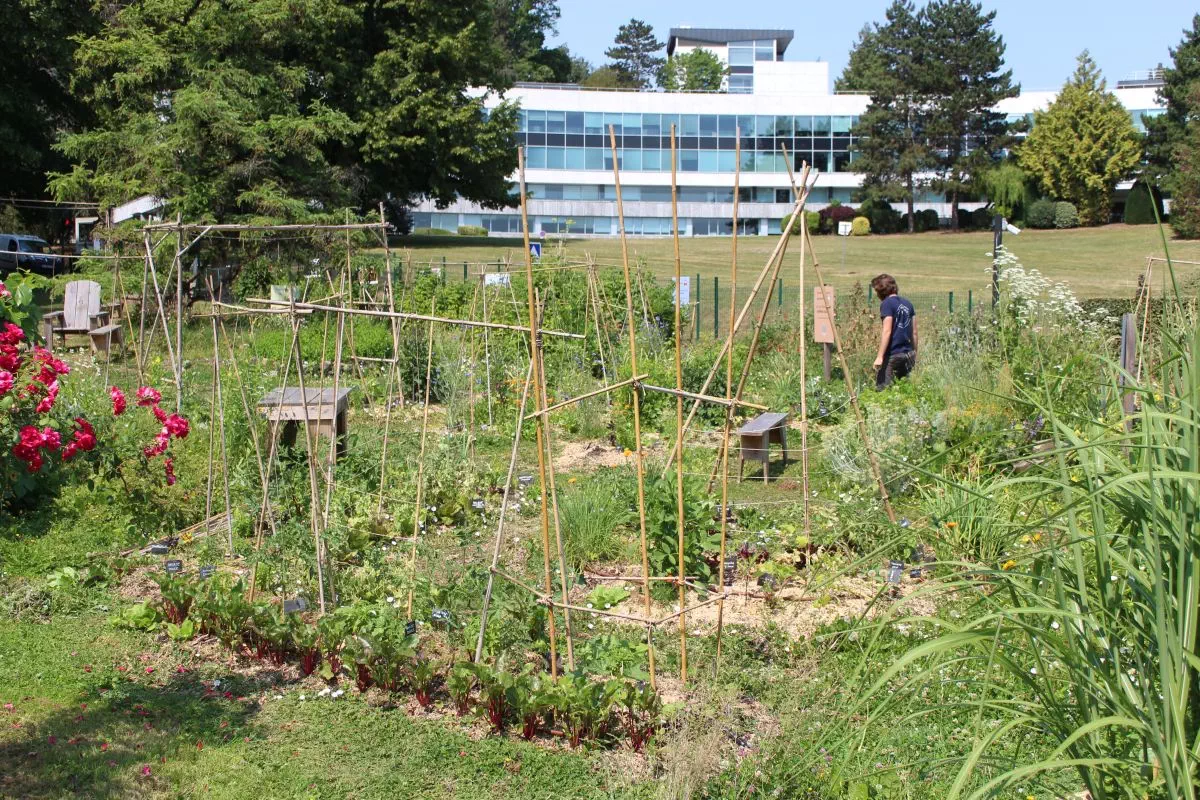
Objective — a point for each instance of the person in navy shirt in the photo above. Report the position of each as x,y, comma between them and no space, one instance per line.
898,340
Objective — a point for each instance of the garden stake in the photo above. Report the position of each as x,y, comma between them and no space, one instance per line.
858,415
586,396
487,353
221,422
637,408
163,316
331,462
314,500
723,455
538,398
178,265
679,408
512,467
421,460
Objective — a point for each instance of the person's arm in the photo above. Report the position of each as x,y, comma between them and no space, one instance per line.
885,338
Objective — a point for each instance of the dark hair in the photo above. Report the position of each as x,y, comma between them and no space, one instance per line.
884,286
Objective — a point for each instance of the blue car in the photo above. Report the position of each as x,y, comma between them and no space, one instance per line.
20,251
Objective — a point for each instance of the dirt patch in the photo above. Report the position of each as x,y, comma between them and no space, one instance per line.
589,455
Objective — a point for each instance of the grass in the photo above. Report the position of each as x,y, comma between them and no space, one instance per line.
1097,262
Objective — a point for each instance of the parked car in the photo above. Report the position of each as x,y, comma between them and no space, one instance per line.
20,251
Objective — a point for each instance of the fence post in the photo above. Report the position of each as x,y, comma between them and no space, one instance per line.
970,300
779,304
716,306
696,326
443,270
464,272
952,302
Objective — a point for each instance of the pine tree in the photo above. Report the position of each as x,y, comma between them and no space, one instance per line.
964,79
633,54
892,148
1082,145
864,67
1185,204
698,70
1168,131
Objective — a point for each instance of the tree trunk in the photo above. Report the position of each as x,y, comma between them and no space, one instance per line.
954,209
911,216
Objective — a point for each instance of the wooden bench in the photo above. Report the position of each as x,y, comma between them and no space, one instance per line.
325,413
104,336
757,436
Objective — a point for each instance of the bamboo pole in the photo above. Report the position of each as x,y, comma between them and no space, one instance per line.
163,315
534,349
487,354
178,264
803,363
393,365
706,398
221,422
858,415
637,408
314,501
723,456
421,459
331,459
512,467
549,442
366,312
582,397
678,408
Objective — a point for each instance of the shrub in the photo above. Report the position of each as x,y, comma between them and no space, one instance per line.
928,220
861,227
1139,208
883,218
472,230
1065,215
787,222
431,232
814,221
1040,214
982,218
834,213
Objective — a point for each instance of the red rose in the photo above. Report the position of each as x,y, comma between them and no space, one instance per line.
176,426
118,400
159,414
147,396
6,381
47,402
169,467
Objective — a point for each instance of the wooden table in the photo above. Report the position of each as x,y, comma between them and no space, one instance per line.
325,413
757,436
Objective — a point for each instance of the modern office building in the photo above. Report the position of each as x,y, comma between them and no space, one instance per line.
777,106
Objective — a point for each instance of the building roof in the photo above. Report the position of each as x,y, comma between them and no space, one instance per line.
725,35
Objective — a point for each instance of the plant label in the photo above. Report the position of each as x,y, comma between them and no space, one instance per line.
478,504
174,566
159,549
895,572
525,480
824,309
294,606
730,570
440,615
207,571
410,627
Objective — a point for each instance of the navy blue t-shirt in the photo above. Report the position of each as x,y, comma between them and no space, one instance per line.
901,311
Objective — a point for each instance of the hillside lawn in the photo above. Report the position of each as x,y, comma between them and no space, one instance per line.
1096,262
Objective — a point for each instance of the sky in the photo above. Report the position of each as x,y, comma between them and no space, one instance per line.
1043,36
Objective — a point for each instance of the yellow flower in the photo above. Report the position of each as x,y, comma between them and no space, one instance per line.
1008,564
1037,537
627,452
1026,540
572,479
951,524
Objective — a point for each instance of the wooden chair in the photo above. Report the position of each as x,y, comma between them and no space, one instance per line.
82,315
757,436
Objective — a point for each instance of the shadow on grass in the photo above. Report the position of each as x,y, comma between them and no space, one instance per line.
114,746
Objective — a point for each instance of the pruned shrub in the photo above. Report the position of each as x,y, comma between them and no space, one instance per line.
928,220
1040,214
472,230
814,221
1139,208
1065,215
431,232
787,222
883,218
860,227
834,213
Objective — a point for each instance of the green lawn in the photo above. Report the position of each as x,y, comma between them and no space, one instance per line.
1096,262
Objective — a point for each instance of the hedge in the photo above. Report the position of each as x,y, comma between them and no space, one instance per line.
431,232
1040,214
472,230
861,226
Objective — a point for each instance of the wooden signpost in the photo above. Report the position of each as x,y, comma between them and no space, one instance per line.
824,308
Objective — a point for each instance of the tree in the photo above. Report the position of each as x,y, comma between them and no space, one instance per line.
697,70
1185,204
865,68
1082,145
284,110
521,28
1169,131
605,77
963,79
892,148
36,100
633,54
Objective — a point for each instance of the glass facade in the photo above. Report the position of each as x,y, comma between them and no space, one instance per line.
706,142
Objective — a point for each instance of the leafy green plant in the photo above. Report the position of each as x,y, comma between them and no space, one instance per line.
968,522
139,616
642,709
499,693
584,706
390,649
611,654
305,640
607,596
181,632
662,523
425,675
178,594
534,700
592,513
459,683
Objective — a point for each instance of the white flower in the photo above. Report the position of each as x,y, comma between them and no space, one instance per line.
1054,625
1033,670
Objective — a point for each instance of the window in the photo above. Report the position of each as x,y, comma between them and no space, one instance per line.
593,123
689,161
708,125
556,122
574,122
654,160
537,121
689,125
764,50
652,126
841,162
821,126
783,195
804,126
576,158
555,158
633,124
741,84
536,156
783,127
741,54
615,121
727,125
708,161
842,124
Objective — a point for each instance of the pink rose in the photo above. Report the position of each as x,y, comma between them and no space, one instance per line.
147,396
176,426
6,381
118,400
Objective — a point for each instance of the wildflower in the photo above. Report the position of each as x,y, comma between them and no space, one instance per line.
572,479
159,446
1007,565
118,400
159,414
627,452
147,396
145,770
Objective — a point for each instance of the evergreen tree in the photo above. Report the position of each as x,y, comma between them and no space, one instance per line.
521,28
1082,145
698,70
1185,204
1139,206
865,67
892,147
963,80
283,110
1168,131
633,54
